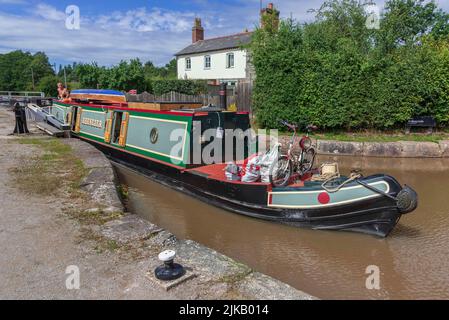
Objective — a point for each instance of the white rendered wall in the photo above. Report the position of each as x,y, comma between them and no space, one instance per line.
218,68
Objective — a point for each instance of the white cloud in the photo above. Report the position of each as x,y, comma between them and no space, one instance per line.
149,34
48,12
142,20
91,43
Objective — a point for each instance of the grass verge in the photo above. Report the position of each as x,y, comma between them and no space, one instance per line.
381,137
53,166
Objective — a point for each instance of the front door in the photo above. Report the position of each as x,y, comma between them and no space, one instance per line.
117,128
73,115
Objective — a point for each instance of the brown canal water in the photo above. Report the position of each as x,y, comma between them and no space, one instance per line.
413,260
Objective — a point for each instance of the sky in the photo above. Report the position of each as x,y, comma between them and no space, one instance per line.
111,31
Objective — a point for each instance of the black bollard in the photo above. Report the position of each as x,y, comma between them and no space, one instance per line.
23,117
20,115
223,96
170,270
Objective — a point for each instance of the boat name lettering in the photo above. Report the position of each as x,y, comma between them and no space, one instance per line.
92,122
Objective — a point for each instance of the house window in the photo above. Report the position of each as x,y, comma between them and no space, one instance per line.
207,62
230,60
188,64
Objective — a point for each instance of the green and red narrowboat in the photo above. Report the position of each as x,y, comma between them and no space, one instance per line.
143,140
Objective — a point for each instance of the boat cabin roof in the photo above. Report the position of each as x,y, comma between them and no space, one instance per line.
124,107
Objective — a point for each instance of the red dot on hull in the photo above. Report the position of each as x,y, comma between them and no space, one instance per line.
324,198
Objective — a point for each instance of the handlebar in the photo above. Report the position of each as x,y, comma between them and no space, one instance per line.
294,127
291,126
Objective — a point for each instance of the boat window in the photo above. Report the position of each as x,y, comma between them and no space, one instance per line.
117,125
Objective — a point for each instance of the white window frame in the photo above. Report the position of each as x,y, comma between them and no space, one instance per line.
205,62
188,64
228,64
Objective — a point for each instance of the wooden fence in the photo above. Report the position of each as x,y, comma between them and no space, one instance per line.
240,96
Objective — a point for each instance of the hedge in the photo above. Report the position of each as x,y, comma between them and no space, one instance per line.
338,74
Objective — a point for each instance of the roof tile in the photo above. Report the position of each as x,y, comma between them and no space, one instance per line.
215,44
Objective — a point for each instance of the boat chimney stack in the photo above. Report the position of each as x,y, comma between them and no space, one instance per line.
223,96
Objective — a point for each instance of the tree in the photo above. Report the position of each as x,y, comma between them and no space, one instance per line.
125,76
41,66
406,21
48,85
338,74
88,75
18,69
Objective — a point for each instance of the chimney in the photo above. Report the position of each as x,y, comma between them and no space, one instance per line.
197,31
269,17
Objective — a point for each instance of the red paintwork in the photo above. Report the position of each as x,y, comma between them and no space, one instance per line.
120,107
324,198
216,172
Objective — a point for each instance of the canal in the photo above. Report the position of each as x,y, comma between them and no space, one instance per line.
413,260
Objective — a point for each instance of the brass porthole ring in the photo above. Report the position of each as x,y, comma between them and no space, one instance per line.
154,135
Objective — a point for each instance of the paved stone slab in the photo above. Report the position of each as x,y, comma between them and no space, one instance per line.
208,261
128,229
167,285
260,285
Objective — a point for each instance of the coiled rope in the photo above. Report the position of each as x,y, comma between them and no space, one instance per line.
354,176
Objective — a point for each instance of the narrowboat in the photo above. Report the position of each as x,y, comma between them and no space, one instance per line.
161,144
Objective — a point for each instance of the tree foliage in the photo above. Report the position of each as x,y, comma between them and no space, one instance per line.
182,86
22,70
337,73
18,70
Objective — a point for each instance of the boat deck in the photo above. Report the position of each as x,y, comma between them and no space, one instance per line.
217,172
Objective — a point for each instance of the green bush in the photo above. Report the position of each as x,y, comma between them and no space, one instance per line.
339,74
48,85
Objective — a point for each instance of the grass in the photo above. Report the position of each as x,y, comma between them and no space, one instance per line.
382,137
123,192
53,166
95,217
371,135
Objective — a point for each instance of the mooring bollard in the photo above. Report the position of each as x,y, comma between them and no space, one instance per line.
21,122
169,270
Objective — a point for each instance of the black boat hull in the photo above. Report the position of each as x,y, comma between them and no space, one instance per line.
376,216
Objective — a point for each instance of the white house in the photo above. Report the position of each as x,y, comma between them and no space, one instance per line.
222,59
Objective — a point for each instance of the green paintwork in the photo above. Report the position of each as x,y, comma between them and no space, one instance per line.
60,111
91,130
168,130
138,135
309,198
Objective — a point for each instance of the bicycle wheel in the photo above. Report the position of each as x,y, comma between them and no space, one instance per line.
308,160
281,171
